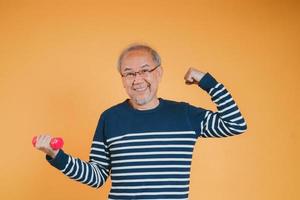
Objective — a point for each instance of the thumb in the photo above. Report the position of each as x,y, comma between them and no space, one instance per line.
188,77
189,80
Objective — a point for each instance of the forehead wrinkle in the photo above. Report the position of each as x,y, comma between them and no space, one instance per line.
142,66
127,69
145,65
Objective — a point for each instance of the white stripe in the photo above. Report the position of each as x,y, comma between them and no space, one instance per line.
221,97
150,186
147,193
157,199
69,160
100,175
202,123
214,88
152,153
152,159
97,174
228,132
215,94
229,114
149,173
104,172
73,164
201,127
227,108
151,146
99,156
153,140
207,133
97,142
236,119
82,171
151,133
220,128
77,169
92,175
211,125
98,149
151,167
87,173
206,114
102,163
235,124
237,130
227,101
150,180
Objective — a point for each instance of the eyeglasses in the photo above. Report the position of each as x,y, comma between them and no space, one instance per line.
143,73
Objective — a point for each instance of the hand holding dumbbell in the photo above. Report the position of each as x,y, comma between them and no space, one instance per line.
47,144
55,143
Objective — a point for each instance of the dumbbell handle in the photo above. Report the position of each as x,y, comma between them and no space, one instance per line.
55,143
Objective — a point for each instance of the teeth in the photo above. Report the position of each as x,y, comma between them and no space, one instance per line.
140,89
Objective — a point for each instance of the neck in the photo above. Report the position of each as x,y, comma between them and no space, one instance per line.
150,105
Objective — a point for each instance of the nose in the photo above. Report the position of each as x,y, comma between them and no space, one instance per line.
138,78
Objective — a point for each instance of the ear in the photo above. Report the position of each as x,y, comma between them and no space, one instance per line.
123,82
160,73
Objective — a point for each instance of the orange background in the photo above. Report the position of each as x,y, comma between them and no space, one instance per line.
57,74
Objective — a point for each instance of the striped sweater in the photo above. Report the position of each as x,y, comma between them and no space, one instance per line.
148,153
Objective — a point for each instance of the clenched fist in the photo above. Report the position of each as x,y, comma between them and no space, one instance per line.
43,144
193,76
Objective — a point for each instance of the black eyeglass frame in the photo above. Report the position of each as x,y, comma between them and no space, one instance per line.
140,72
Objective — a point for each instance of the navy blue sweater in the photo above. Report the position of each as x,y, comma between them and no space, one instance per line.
148,153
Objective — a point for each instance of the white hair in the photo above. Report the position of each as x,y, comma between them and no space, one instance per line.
133,47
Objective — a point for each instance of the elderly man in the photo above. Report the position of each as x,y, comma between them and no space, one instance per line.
145,143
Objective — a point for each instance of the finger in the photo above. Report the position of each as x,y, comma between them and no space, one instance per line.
38,141
46,141
189,78
188,83
42,141
187,74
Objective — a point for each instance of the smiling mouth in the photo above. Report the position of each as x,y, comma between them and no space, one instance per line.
140,89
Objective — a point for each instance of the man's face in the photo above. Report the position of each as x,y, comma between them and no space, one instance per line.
141,89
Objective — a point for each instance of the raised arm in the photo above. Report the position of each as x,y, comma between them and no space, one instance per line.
227,121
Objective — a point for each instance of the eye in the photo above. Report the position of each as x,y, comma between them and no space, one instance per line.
130,75
145,71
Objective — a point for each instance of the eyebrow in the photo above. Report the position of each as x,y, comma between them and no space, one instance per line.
142,66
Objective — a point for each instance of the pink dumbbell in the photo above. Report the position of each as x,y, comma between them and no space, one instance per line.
55,143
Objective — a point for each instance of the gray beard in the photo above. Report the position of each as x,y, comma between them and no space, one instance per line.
143,101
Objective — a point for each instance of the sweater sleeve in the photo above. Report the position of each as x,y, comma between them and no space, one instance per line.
94,172
227,121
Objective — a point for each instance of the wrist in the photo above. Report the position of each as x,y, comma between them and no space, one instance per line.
201,75
53,153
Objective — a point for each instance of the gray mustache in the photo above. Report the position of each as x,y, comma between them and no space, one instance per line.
148,85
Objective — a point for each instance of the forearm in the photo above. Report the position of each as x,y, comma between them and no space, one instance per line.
90,173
